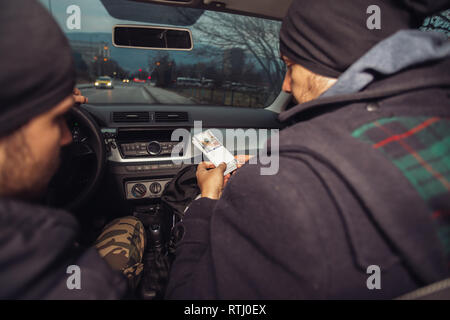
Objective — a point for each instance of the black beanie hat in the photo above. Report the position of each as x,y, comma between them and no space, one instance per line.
328,36
36,66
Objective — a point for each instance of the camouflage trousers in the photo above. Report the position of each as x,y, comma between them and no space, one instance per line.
122,245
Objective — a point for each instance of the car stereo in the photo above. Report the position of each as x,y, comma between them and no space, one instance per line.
152,148
143,142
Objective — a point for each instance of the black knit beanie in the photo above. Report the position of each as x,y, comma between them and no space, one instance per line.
36,66
327,36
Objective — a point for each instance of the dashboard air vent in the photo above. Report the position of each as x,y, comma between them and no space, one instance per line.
162,116
131,116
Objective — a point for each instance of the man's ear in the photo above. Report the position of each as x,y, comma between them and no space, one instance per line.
2,151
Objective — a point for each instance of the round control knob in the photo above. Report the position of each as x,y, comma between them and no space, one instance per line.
155,187
154,148
138,190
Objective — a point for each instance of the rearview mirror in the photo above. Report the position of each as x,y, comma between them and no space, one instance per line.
151,37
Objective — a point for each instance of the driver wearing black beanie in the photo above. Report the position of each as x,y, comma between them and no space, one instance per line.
39,247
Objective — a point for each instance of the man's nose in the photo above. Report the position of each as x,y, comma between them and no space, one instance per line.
286,83
66,135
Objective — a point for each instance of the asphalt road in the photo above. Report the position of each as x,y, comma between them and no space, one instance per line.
134,93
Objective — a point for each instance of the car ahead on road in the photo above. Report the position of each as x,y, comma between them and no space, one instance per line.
124,140
137,80
104,83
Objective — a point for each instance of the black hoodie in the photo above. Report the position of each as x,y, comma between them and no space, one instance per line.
37,246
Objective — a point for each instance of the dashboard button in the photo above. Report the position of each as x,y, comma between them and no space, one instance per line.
139,190
155,187
154,148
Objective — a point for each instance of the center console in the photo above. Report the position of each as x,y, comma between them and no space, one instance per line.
141,165
145,188
141,159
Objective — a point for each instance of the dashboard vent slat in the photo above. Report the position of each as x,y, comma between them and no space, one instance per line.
163,116
131,116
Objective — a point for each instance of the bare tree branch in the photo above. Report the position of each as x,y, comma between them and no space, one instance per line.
257,37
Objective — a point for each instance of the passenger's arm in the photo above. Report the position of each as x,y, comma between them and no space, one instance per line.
259,240
191,247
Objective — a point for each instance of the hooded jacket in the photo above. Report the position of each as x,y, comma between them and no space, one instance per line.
38,251
363,184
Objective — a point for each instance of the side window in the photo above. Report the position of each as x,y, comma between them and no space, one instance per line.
241,58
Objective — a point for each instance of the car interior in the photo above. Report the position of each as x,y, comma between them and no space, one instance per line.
213,62
122,154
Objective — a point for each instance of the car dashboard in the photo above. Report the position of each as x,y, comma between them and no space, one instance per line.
147,145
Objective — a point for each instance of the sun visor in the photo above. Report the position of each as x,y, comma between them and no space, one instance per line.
268,9
157,14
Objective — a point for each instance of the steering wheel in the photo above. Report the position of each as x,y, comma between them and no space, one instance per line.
82,163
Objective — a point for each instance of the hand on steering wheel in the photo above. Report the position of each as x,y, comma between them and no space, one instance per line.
78,97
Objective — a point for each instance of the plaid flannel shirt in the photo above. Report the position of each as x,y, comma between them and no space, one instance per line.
420,148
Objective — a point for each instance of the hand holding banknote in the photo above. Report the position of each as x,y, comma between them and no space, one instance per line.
211,180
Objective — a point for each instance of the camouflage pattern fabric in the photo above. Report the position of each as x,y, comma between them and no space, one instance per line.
122,245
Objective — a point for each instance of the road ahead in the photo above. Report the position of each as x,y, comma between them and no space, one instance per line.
134,93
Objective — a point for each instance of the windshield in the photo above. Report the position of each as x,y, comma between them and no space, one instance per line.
234,62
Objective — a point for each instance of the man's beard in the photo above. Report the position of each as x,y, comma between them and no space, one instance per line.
22,176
